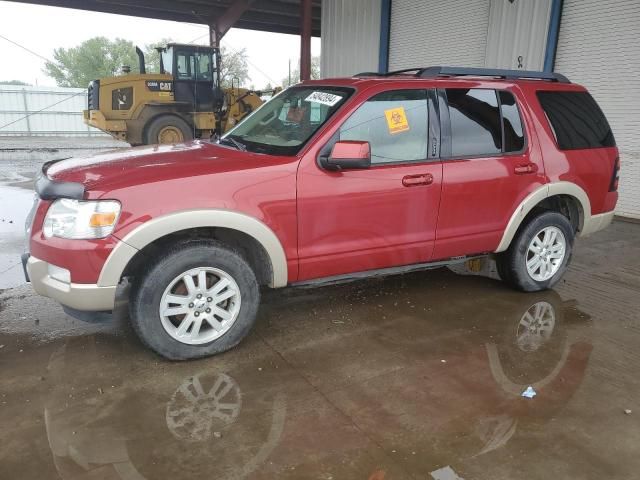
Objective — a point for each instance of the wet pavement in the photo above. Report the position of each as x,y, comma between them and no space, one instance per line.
409,377
20,159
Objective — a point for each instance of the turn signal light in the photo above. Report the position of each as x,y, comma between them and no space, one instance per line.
102,219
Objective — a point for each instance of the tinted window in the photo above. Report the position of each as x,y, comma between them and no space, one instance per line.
576,120
475,122
511,123
394,123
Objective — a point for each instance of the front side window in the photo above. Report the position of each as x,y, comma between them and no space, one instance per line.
475,122
576,120
183,67
395,125
194,66
284,124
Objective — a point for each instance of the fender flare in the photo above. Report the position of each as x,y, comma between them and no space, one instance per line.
534,198
159,227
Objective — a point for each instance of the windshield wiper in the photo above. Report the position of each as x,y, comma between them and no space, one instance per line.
235,143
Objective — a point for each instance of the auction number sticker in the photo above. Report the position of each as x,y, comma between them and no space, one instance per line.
396,120
324,98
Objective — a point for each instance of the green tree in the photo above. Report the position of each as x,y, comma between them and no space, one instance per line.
295,72
100,57
234,67
94,58
15,82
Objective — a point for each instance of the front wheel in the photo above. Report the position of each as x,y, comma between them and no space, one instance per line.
539,254
200,299
168,129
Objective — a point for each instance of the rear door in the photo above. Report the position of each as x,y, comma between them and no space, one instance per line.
384,216
491,162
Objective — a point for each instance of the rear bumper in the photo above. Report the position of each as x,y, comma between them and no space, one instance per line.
95,118
78,296
596,223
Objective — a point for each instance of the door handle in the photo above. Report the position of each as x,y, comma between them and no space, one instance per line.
525,169
415,180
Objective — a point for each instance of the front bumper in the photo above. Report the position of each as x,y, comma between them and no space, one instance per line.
79,296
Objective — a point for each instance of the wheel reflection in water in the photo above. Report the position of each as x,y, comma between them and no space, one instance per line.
195,413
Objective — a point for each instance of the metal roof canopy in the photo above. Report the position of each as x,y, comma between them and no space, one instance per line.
278,16
297,17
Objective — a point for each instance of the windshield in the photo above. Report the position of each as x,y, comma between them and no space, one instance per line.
285,123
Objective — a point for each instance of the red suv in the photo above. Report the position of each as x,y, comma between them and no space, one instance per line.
330,180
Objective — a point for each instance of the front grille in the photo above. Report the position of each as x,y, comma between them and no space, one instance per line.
93,95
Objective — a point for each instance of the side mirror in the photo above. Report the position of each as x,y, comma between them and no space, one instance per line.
349,154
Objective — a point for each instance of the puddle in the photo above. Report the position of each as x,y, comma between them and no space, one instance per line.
15,204
427,378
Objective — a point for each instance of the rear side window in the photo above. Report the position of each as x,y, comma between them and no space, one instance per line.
511,123
576,120
475,122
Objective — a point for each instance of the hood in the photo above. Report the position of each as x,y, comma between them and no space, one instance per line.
148,164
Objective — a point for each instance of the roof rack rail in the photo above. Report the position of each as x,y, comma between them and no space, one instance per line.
431,72
389,74
492,72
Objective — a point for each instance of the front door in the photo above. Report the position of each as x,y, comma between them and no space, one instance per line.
384,216
193,79
490,164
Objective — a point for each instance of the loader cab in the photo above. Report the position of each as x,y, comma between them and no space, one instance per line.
195,74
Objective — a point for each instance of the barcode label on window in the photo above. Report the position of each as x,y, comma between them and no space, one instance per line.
324,98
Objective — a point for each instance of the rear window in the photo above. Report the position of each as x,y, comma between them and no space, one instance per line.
576,120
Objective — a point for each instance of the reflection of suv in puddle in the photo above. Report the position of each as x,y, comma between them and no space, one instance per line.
329,180
187,420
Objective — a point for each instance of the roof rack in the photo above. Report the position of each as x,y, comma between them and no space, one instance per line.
389,74
432,72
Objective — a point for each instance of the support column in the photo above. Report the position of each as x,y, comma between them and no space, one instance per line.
305,40
385,30
214,36
553,34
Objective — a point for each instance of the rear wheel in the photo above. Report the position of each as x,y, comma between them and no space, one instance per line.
200,299
168,129
539,254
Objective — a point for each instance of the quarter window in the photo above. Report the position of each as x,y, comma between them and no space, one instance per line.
576,120
475,122
394,123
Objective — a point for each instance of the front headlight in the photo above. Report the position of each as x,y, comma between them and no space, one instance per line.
81,220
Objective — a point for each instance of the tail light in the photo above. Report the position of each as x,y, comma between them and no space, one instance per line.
613,185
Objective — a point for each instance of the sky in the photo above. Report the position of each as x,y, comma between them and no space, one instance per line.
41,29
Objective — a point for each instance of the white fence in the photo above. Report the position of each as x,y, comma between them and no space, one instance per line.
43,111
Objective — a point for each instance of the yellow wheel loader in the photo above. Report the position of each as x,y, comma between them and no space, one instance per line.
182,102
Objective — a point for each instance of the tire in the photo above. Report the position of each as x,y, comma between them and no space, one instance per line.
512,264
165,278
168,129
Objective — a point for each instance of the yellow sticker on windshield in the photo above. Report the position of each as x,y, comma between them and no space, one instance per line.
396,120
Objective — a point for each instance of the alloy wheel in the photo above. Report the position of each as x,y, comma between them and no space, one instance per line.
200,305
546,253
